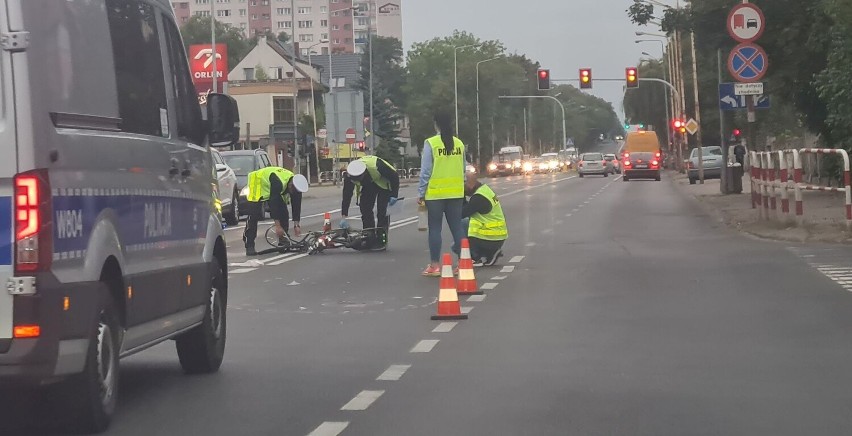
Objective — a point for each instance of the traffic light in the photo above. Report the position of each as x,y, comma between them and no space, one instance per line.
679,126
543,80
735,135
362,146
585,78
632,76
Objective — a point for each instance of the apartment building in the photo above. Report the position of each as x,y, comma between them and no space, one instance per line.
345,24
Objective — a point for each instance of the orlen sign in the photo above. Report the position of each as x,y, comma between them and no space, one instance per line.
201,63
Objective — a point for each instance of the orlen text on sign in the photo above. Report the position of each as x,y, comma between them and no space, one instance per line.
202,62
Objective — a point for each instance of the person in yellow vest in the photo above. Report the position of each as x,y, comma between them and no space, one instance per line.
377,183
487,229
278,187
442,166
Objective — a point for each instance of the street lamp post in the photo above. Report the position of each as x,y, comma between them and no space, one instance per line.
456,79
314,111
478,145
561,106
665,90
213,44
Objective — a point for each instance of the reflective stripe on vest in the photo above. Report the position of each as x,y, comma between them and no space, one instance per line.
373,169
447,179
492,225
259,183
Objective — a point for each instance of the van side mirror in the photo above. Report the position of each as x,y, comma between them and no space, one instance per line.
223,120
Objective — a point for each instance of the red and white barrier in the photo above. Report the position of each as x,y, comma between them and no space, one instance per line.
769,181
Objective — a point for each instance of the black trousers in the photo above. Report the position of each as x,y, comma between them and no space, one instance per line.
255,215
480,248
373,196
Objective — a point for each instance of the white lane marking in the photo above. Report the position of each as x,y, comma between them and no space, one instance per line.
475,298
536,186
363,400
546,231
280,256
424,346
499,277
530,244
241,270
329,428
582,205
487,286
466,309
507,269
393,373
517,259
568,215
558,222
289,259
585,202
445,327
576,210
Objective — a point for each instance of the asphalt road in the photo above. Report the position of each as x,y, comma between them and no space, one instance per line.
620,308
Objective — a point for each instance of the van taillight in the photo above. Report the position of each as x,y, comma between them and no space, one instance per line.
658,155
33,238
654,163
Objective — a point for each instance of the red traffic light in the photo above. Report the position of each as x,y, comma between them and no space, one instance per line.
632,77
678,124
737,132
585,78
543,74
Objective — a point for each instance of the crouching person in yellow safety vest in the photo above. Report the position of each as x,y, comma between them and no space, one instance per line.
487,229
278,187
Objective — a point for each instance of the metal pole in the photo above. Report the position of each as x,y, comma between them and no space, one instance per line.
526,139
561,106
296,160
697,109
314,116
456,86
370,42
247,144
723,185
478,145
213,44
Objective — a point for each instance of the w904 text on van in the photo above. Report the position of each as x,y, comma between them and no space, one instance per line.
110,241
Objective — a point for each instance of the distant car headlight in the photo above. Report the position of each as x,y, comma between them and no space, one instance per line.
554,164
528,166
244,192
492,167
517,164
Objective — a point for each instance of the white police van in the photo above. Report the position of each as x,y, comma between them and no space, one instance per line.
109,238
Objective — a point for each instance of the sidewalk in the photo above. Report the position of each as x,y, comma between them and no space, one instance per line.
823,212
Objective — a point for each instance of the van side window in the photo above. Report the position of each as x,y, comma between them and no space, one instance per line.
189,125
264,161
138,66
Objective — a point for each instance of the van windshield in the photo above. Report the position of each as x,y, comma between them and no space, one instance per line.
241,164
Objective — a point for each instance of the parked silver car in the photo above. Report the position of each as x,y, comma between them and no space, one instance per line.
712,160
228,192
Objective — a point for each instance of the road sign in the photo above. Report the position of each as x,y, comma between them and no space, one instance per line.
746,22
748,63
350,135
322,133
730,101
692,126
748,88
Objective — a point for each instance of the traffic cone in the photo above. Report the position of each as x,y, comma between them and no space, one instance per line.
448,300
326,222
467,279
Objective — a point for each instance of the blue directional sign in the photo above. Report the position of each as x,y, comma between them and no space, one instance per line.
748,63
729,101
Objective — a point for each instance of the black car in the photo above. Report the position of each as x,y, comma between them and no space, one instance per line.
243,162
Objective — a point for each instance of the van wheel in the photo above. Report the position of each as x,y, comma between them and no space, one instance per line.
88,399
233,218
201,349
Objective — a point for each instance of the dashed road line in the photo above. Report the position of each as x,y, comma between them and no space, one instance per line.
507,269
363,400
517,259
499,277
329,428
568,214
393,373
445,327
424,346
475,298
466,309
530,244
487,286
547,231
241,270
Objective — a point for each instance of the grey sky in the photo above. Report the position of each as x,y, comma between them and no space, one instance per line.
563,35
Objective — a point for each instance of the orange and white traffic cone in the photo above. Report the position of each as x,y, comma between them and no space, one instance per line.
326,222
448,300
467,279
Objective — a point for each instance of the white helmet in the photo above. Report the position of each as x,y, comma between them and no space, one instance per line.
356,168
300,182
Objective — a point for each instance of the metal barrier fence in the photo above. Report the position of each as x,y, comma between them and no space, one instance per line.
770,181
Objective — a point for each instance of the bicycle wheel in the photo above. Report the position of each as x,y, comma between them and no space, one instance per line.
273,240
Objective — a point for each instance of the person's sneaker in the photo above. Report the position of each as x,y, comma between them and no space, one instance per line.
250,251
498,254
479,263
431,271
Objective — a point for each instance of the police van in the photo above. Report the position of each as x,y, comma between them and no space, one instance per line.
110,241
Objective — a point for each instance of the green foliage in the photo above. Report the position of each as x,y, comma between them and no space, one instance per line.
646,104
197,31
388,98
260,72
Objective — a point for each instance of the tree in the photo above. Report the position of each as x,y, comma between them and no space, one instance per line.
260,72
197,31
645,104
388,78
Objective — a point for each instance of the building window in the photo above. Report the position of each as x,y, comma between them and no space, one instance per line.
202,13
284,25
283,11
306,38
265,3
202,2
323,9
253,16
282,110
253,2
223,1
324,36
363,21
248,73
138,66
306,24
304,11
323,23
347,27
223,13
242,12
336,40
325,50
335,27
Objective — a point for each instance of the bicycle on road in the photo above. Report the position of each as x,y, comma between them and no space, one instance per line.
317,242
